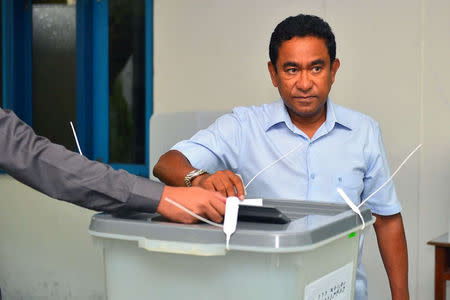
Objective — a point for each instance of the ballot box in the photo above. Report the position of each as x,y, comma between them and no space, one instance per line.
313,257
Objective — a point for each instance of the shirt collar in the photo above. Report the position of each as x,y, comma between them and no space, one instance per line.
279,114
336,115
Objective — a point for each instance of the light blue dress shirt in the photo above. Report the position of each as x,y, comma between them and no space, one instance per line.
346,151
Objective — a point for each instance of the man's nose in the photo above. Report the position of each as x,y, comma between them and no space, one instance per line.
304,82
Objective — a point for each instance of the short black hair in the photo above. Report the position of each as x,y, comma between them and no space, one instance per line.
301,26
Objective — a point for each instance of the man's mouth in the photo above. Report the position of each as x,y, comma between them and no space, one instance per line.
304,97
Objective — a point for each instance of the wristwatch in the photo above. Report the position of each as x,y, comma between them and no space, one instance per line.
191,175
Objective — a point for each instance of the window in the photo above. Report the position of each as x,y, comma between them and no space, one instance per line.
53,70
127,81
84,61
16,60
122,77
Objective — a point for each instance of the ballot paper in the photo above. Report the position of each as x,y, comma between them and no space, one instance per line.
252,202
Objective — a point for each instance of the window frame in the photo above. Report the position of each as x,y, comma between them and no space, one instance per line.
16,58
92,75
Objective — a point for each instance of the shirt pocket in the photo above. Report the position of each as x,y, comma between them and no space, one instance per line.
352,184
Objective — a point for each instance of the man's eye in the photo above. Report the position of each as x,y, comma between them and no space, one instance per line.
291,70
316,69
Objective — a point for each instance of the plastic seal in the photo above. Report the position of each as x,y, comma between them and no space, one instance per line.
231,215
356,208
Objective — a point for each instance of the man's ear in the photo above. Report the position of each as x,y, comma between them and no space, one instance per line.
273,74
334,68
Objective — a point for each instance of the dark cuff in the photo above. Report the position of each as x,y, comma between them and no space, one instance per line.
145,195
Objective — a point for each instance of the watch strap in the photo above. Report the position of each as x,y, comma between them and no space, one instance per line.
191,175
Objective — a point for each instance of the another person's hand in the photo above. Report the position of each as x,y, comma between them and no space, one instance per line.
207,204
225,182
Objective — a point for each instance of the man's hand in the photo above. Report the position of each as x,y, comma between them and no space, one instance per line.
204,203
225,182
173,166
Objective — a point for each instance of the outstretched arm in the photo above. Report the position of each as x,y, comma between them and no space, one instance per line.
62,174
68,176
392,244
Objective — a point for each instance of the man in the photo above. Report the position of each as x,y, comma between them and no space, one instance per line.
328,146
68,176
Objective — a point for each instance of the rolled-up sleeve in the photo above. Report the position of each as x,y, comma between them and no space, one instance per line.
216,147
385,201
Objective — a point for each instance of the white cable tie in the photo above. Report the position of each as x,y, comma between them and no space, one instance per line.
352,205
76,139
231,216
392,176
273,163
192,213
355,208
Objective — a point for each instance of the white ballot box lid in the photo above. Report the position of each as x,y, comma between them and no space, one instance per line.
312,225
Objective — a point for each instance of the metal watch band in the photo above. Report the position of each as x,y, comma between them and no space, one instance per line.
191,175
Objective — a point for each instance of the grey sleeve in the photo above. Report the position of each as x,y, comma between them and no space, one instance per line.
68,176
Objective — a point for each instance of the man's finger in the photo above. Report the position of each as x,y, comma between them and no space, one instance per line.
208,185
239,185
212,214
219,187
220,197
219,206
229,185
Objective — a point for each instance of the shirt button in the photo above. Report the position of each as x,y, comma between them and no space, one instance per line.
313,176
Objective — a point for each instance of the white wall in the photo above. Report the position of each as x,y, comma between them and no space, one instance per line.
45,249
212,55
435,131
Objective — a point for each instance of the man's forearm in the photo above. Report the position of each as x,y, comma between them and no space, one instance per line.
68,176
393,250
172,167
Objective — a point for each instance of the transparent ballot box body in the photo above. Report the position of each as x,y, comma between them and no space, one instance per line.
312,257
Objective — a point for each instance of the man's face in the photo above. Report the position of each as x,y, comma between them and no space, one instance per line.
303,76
